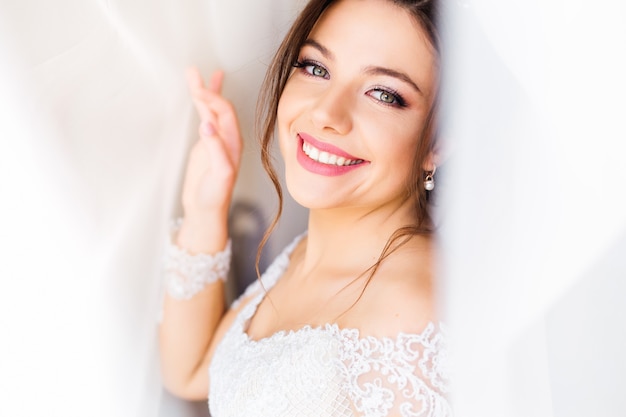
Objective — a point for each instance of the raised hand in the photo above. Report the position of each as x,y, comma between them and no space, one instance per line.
214,160
213,163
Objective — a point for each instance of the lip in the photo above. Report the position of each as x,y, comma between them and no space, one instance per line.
324,146
324,169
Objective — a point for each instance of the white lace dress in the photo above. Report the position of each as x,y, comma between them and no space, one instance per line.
325,371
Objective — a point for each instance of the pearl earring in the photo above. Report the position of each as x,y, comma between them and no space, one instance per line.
429,181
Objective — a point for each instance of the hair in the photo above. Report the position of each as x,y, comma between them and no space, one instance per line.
425,13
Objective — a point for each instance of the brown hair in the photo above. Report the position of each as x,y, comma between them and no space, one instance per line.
425,13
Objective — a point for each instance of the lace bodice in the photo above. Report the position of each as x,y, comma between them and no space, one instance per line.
325,371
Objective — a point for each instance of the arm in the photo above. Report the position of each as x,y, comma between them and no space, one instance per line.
189,326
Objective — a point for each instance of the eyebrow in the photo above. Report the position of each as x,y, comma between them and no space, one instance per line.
393,73
372,70
323,50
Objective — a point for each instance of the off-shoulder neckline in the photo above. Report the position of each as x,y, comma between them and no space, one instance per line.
431,330
276,270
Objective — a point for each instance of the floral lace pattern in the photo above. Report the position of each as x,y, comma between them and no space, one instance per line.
326,371
186,274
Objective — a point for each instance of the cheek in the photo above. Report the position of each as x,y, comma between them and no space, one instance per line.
285,111
287,97
285,116
397,149
289,110
395,138
281,109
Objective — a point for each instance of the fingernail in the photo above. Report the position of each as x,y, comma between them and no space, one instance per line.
207,129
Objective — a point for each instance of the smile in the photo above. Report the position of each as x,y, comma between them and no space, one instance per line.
327,158
323,158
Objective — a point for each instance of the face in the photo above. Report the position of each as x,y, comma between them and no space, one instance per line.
352,112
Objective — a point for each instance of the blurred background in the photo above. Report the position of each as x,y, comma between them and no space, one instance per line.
95,123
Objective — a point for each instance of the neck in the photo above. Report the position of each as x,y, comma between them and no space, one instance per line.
352,239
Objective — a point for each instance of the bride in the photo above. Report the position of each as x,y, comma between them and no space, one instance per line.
344,321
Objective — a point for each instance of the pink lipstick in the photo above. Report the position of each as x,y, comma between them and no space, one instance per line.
323,158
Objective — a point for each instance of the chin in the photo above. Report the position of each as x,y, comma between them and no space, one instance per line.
310,197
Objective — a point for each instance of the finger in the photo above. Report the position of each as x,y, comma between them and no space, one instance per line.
232,138
207,100
215,146
230,145
216,103
221,114
194,79
227,128
216,81
215,111
195,83
207,129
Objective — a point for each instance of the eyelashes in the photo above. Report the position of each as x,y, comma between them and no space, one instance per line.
312,68
387,96
384,95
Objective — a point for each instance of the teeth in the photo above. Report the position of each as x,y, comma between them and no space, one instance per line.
324,157
314,154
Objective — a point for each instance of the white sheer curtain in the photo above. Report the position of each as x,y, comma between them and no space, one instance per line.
96,122
534,206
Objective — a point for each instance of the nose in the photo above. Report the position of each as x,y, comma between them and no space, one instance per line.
332,110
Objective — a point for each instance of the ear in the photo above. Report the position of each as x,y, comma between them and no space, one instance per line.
436,156
431,161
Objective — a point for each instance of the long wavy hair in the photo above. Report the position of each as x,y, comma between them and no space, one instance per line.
425,13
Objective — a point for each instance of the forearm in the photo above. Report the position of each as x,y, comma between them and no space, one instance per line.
189,323
185,335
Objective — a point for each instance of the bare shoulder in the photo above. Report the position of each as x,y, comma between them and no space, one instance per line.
400,298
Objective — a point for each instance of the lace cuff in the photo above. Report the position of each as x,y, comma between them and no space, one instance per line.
186,274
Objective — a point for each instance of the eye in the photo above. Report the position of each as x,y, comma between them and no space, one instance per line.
318,71
387,97
312,68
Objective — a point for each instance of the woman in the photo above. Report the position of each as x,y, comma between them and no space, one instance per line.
344,321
